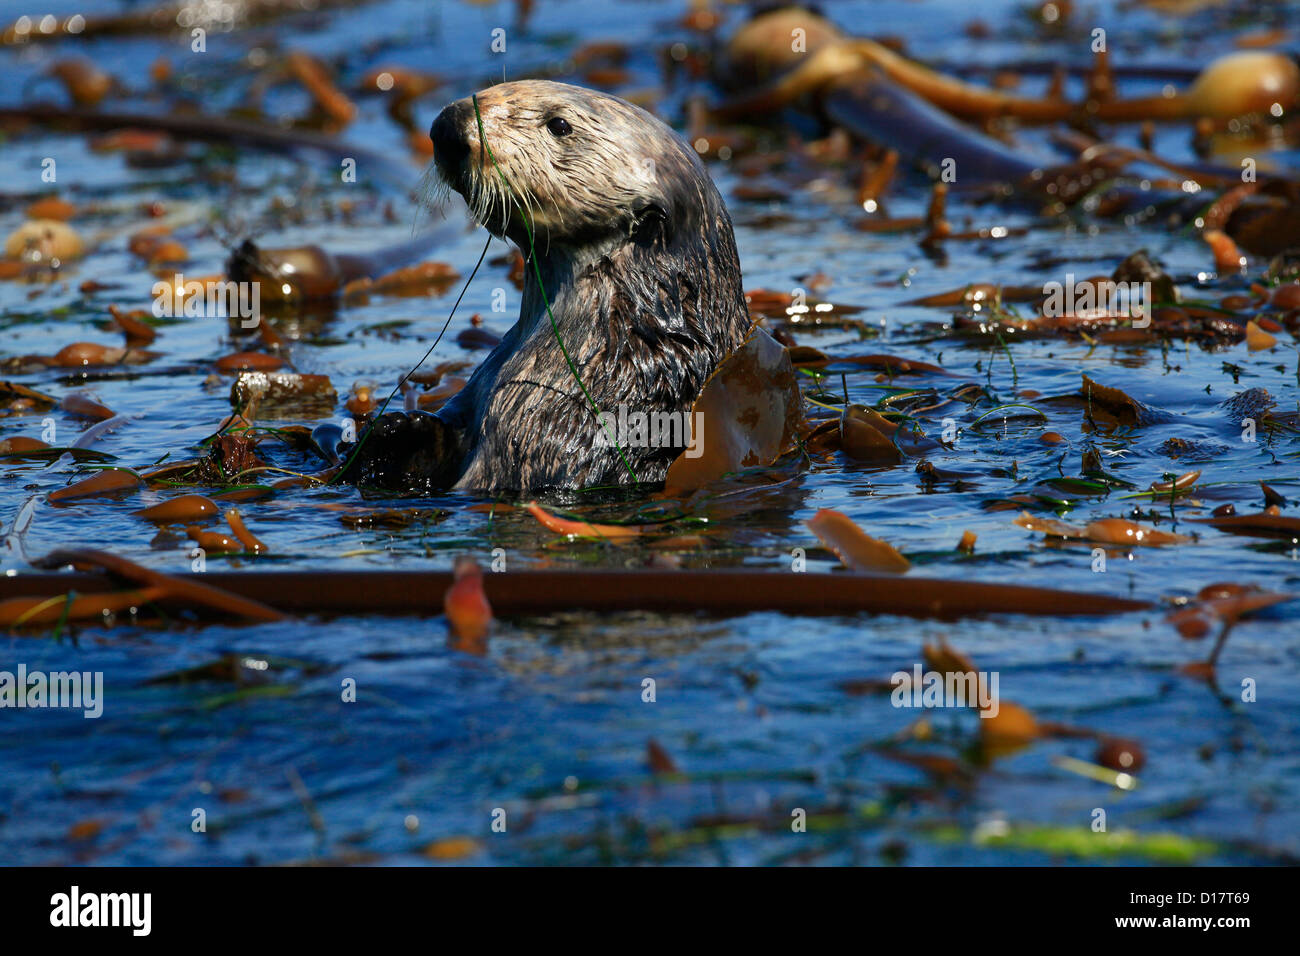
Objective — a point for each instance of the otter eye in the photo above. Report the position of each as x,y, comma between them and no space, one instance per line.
559,126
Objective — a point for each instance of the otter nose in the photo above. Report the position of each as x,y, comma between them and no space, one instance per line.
448,134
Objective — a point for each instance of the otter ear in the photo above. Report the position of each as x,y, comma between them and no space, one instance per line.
650,222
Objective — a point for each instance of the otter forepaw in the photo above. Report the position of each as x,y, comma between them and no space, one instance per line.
404,452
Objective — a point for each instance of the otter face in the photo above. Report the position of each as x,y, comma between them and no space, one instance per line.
579,165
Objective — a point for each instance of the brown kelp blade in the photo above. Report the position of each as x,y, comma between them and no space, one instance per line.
722,592
881,111
390,173
874,108
1261,525
853,546
182,591
29,611
750,410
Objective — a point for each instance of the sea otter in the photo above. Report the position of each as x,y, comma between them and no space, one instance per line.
639,268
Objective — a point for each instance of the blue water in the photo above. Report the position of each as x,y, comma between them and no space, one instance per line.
550,725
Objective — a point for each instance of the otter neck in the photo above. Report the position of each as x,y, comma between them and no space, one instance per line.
561,269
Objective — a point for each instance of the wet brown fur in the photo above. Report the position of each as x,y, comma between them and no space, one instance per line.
638,261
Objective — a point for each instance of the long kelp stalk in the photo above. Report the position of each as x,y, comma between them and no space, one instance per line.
724,592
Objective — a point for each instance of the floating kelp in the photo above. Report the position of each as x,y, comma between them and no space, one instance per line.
44,240
263,394
21,445
250,541
469,615
316,79
394,517
867,436
885,98
1111,406
724,591
424,279
853,546
1223,605
215,542
306,274
389,172
248,362
1265,524
751,408
16,398
177,590
1118,531
439,395
41,612
83,406
180,510
1234,85
109,482
134,325
805,357
583,529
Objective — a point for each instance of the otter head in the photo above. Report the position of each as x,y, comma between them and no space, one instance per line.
585,168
